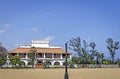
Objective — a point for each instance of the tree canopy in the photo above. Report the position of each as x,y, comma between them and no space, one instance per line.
87,52
112,47
3,50
32,55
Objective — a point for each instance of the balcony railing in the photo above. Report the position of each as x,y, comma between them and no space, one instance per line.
48,55
40,55
57,55
22,55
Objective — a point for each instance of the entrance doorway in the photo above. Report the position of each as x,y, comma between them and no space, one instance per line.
39,64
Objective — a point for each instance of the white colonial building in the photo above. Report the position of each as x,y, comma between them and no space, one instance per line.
52,54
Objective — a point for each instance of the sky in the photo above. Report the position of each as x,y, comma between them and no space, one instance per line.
58,21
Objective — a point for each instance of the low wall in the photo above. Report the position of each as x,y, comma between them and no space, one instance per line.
73,66
96,66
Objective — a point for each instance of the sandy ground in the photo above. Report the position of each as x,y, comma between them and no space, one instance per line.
104,73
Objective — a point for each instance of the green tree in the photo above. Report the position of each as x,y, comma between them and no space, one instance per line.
3,57
102,57
47,64
3,60
71,64
31,63
75,45
22,64
106,61
76,60
15,60
3,50
98,56
90,59
80,50
112,47
93,51
32,56
85,52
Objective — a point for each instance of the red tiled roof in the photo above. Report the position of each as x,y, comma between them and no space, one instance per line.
39,50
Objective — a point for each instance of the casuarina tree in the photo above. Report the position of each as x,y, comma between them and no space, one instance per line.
75,45
112,47
93,51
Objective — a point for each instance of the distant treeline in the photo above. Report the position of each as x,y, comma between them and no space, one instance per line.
86,53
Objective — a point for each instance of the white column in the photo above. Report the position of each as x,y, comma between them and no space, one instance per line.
43,60
61,56
52,55
26,55
44,55
70,56
26,62
17,54
52,62
7,56
61,63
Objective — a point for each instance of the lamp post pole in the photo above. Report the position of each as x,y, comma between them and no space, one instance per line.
66,72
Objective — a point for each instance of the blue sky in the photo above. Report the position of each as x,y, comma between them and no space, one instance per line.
58,21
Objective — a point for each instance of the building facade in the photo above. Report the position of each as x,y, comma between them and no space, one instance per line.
53,55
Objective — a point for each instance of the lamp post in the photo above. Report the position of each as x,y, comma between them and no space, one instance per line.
66,72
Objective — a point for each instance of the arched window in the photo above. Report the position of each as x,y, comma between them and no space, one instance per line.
56,63
48,63
39,61
30,63
22,63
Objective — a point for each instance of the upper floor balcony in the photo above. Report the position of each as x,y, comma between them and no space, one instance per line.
40,55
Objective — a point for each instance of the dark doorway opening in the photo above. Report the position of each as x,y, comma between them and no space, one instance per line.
39,64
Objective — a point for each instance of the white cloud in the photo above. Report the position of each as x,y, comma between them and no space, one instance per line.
2,31
35,29
6,26
49,38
